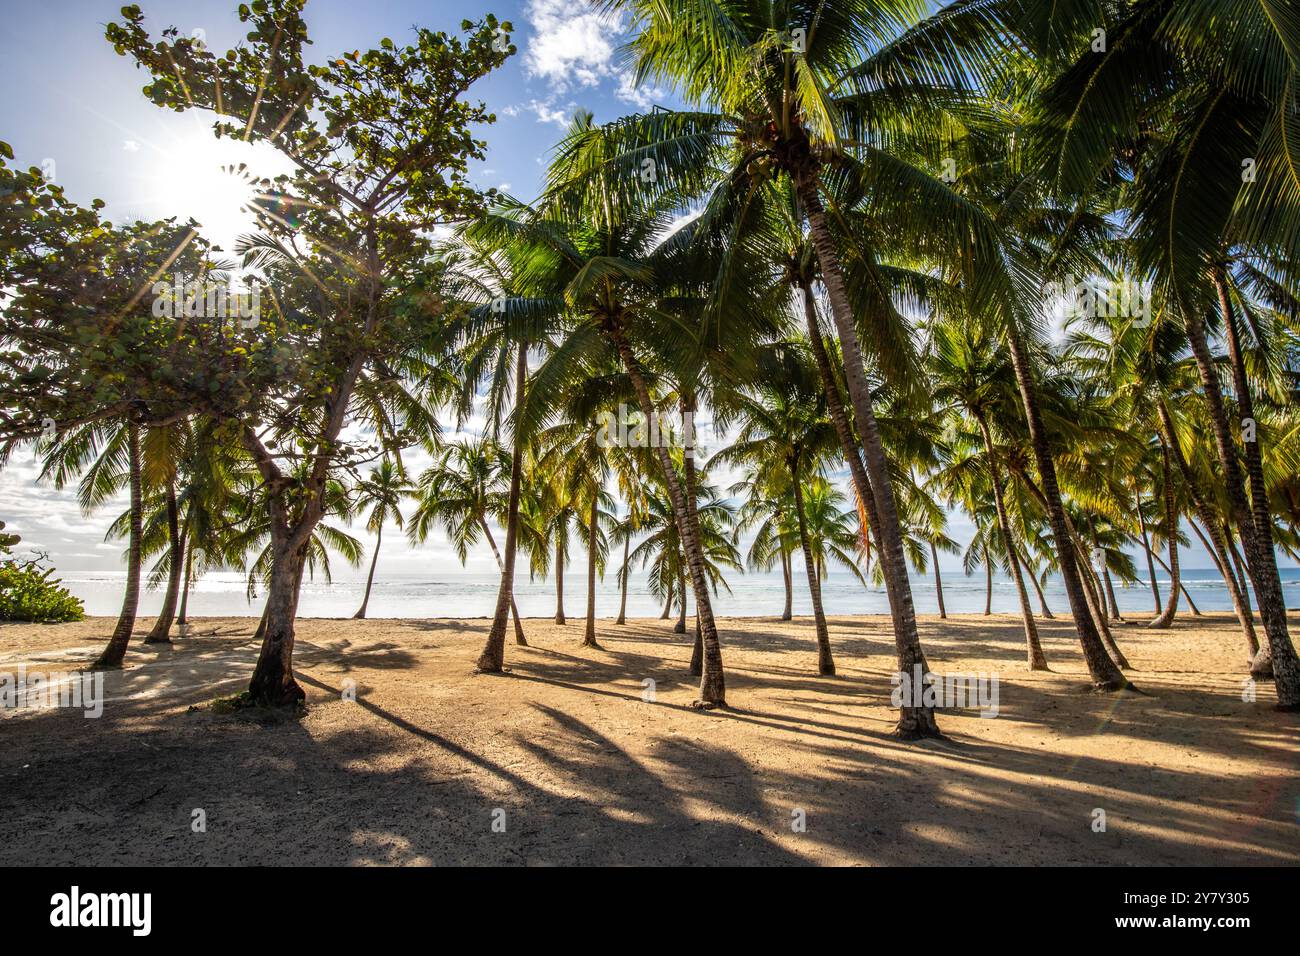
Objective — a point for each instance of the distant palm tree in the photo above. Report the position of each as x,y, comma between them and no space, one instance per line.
382,493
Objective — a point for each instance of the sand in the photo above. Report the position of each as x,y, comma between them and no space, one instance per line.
562,762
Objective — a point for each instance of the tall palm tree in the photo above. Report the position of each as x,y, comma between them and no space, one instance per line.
1216,89
784,426
382,493
465,491
802,92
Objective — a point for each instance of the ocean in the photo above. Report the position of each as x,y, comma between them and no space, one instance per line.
471,594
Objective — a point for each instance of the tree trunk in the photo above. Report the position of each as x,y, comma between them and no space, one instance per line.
787,577
520,640
668,605
160,633
1105,673
1038,588
183,617
492,660
839,416
938,580
914,721
988,583
622,605
1218,547
825,663
370,578
712,681
273,683
116,649
561,539
1146,548
697,651
1261,563
1033,646
1182,587
589,635
680,626
1166,617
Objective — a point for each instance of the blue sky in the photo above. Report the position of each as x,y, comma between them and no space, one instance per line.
84,113
80,115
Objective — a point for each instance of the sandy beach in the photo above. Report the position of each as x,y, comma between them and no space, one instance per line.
573,766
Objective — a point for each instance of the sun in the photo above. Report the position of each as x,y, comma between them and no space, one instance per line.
211,180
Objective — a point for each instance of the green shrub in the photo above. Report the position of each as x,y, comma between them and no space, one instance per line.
27,593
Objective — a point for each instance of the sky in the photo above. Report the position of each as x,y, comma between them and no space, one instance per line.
82,119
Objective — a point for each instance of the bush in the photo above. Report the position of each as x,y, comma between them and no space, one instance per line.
27,593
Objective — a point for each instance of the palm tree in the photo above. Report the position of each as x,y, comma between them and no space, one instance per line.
972,374
784,427
607,289
382,492
464,490
783,91
1219,89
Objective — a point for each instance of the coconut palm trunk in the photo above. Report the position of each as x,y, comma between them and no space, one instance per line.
1218,546
183,617
839,416
1261,563
160,633
712,682
988,583
1033,646
1105,673
787,578
1038,588
1259,508
370,578
938,580
1146,549
623,575
1166,617
825,663
913,721
116,650
561,539
520,640
589,634
492,660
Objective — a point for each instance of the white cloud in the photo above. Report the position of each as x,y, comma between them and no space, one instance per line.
570,48
546,113
574,47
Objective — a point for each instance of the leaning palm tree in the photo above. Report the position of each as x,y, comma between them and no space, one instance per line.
1210,182
382,493
609,291
784,429
107,457
807,93
465,490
